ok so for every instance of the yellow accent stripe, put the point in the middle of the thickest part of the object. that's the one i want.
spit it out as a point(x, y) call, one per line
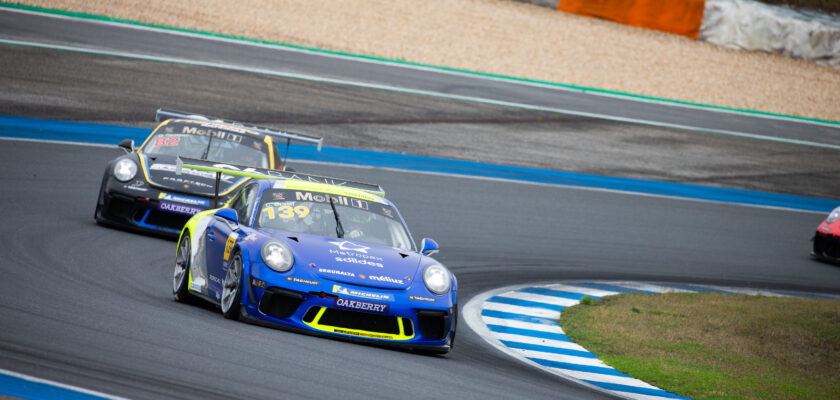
point(358, 332)
point(270, 145)
point(294, 184)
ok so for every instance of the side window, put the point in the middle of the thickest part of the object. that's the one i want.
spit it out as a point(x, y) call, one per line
point(251, 200)
point(244, 202)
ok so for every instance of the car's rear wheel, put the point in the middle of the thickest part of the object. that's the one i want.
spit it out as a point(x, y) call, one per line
point(182, 268)
point(232, 288)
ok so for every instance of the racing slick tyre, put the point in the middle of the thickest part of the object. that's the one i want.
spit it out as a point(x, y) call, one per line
point(232, 288)
point(182, 268)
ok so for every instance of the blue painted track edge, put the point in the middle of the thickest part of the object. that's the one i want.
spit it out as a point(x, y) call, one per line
point(103, 134)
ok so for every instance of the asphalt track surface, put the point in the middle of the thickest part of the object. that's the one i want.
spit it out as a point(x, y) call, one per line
point(551, 129)
point(91, 306)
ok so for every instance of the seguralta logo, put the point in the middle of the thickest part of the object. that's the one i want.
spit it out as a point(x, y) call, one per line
point(383, 278)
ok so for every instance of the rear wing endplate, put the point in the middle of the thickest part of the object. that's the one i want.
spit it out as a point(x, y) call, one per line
point(164, 114)
point(264, 173)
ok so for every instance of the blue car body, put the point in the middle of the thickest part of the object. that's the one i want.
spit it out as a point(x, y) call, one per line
point(336, 286)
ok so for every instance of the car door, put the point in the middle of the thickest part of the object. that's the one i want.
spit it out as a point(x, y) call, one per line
point(221, 236)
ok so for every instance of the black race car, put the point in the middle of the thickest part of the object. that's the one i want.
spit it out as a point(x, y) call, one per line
point(141, 190)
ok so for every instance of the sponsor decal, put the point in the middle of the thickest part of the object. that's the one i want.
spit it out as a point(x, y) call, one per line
point(350, 246)
point(362, 334)
point(215, 279)
point(387, 212)
point(354, 260)
point(338, 289)
point(361, 305)
point(188, 171)
point(337, 199)
point(825, 228)
point(361, 204)
point(383, 278)
point(216, 133)
point(336, 272)
point(231, 240)
point(187, 182)
point(258, 283)
point(137, 185)
point(421, 298)
point(303, 281)
point(167, 141)
point(183, 199)
point(178, 208)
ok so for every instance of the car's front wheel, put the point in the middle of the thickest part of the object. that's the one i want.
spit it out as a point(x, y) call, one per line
point(182, 268)
point(232, 288)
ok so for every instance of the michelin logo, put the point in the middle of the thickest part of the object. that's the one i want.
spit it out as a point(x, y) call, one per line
point(338, 289)
point(184, 200)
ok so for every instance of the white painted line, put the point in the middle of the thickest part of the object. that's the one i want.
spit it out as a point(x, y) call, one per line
point(512, 323)
point(571, 288)
point(558, 301)
point(746, 291)
point(483, 178)
point(534, 312)
point(621, 380)
point(510, 337)
point(592, 362)
point(638, 396)
point(396, 89)
point(649, 287)
point(471, 312)
point(435, 69)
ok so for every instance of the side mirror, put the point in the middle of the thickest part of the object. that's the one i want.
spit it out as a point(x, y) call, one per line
point(127, 145)
point(228, 214)
point(428, 247)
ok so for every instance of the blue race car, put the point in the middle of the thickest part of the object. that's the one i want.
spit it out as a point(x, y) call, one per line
point(328, 259)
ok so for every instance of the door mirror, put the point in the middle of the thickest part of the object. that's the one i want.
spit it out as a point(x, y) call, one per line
point(428, 247)
point(228, 214)
point(127, 145)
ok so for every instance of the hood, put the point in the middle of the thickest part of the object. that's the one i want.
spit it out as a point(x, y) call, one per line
point(161, 173)
point(348, 261)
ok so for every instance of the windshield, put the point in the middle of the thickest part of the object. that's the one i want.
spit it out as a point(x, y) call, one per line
point(311, 212)
point(209, 144)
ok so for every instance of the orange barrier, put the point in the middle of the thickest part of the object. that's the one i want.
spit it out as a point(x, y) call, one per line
point(682, 17)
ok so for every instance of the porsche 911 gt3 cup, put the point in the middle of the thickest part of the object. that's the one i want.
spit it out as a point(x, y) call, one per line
point(141, 191)
point(327, 259)
point(827, 238)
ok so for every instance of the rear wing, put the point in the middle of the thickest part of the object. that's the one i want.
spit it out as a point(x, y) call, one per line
point(264, 173)
point(164, 114)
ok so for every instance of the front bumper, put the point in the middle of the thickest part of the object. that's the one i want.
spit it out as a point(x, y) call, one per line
point(826, 247)
point(310, 306)
point(138, 208)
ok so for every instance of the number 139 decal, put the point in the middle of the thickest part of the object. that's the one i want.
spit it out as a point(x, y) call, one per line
point(287, 212)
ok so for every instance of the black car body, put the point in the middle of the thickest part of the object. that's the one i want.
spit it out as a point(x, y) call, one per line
point(141, 190)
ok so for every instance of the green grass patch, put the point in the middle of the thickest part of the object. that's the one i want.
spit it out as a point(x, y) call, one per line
point(716, 346)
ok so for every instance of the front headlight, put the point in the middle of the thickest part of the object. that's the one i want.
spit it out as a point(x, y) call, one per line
point(277, 256)
point(124, 170)
point(437, 279)
point(834, 216)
